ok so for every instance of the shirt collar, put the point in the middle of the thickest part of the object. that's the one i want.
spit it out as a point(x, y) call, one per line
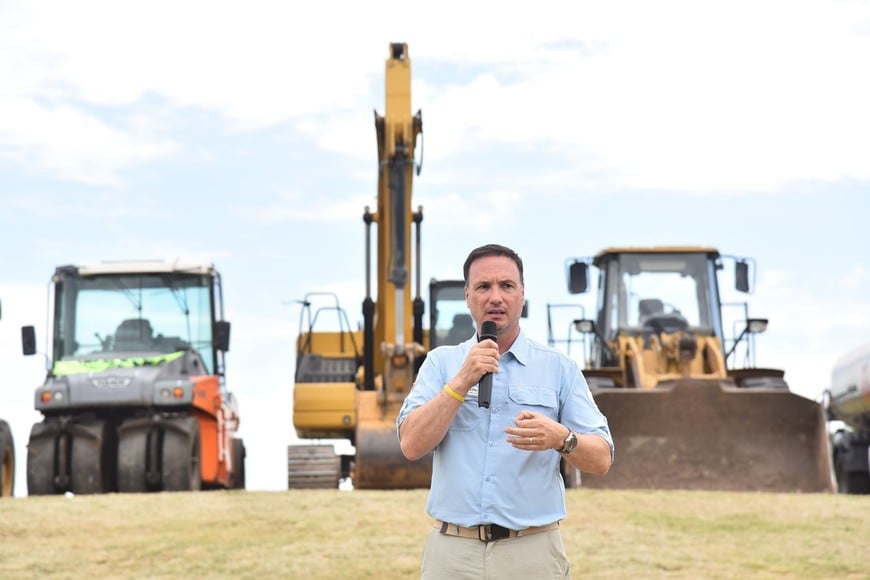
point(520, 348)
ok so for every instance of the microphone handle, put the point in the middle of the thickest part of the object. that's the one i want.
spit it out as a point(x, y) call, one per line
point(484, 391)
point(484, 387)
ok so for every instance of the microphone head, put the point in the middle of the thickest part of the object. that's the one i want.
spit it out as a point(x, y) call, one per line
point(488, 330)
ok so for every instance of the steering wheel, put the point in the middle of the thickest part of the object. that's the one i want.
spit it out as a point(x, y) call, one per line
point(667, 323)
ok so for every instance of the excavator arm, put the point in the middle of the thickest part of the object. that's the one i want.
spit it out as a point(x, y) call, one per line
point(337, 394)
point(390, 320)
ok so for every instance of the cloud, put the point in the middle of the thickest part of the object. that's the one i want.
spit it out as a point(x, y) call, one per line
point(72, 143)
point(712, 101)
point(855, 278)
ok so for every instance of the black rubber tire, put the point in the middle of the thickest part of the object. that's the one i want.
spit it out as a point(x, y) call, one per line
point(7, 461)
point(239, 454)
point(41, 448)
point(850, 482)
point(132, 460)
point(858, 483)
point(182, 455)
point(92, 457)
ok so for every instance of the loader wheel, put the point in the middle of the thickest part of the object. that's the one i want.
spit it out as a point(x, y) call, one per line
point(858, 483)
point(239, 454)
point(7, 461)
point(181, 456)
point(850, 482)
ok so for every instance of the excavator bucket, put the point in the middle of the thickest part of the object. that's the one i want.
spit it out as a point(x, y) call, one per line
point(379, 462)
point(707, 434)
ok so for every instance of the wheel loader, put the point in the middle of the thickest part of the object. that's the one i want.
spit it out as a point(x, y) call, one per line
point(135, 398)
point(350, 382)
point(683, 413)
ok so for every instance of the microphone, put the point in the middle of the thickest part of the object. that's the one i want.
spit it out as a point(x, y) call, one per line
point(484, 388)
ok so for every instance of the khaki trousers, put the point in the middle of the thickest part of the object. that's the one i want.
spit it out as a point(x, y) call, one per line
point(533, 557)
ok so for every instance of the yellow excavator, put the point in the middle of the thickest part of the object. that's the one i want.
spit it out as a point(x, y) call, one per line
point(683, 414)
point(350, 383)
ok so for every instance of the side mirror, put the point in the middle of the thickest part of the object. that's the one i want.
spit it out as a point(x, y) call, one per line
point(741, 276)
point(222, 335)
point(578, 278)
point(28, 340)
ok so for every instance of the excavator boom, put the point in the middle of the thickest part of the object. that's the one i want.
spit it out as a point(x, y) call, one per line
point(350, 384)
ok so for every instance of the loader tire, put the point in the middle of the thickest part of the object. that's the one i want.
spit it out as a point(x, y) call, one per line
point(181, 455)
point(850, 482)
point(7, 461)
point(859, 483)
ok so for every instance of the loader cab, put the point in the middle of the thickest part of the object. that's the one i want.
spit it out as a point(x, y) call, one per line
point(642, 292)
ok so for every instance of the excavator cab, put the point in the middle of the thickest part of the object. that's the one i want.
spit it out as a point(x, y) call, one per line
point(449, 321)
point(663, 370)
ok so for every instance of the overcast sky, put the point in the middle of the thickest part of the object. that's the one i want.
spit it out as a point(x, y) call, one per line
point(242, 133)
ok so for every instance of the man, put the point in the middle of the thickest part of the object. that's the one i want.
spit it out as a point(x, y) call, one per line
point(497, 494)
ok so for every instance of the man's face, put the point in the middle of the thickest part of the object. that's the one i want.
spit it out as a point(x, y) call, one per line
point(494, 292)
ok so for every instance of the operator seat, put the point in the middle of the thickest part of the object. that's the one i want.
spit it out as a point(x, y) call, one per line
point(648, 308)
point(462, 329)
point(134, 334)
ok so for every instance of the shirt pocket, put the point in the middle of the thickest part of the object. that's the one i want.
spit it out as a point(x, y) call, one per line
point(539, 399)
point(467, 418)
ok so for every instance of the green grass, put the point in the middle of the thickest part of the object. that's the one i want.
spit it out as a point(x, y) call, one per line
point(380, 534)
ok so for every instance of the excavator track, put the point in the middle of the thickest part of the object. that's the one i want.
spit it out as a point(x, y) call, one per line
point(313, 467)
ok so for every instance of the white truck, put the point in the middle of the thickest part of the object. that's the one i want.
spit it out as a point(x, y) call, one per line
point(848, 408)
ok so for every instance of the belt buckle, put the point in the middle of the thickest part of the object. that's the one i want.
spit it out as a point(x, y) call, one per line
point(491, 532)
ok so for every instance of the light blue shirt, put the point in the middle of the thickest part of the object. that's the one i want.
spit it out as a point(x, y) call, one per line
point(477, 476)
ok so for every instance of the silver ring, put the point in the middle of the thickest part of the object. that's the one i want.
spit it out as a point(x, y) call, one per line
point(531, 441)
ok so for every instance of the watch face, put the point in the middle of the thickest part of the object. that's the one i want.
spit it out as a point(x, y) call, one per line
point(571, 443)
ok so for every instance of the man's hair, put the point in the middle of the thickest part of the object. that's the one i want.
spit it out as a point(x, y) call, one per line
point(492, 250)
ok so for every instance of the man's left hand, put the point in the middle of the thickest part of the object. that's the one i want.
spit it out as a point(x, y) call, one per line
point(536, 432)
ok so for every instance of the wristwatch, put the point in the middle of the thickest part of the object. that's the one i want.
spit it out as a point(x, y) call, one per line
point(570, 443)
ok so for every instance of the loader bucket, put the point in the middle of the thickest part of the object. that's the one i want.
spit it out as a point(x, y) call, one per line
point(711, 435)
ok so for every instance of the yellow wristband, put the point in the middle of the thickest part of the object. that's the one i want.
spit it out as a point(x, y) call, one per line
point(449, 390)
